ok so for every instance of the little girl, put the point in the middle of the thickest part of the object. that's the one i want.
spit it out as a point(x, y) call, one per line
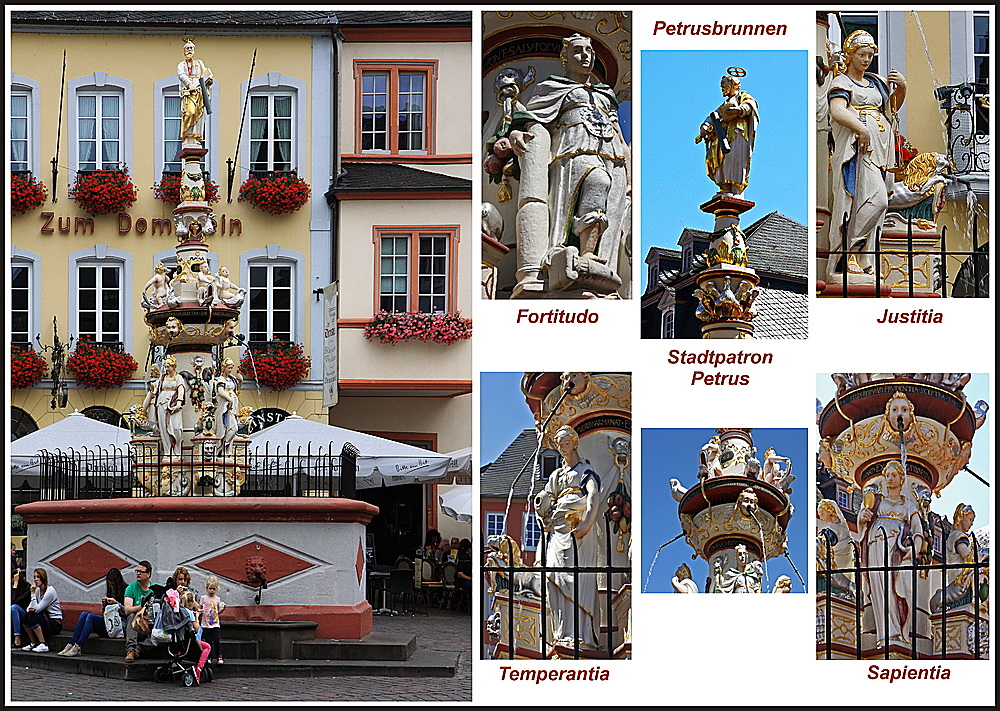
point(211, 607)
point(188, 601)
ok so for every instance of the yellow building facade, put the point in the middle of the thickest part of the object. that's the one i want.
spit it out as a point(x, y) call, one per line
point(371, 110)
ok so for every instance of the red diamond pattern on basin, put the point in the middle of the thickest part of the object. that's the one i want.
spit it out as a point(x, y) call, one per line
point(233, 564)
point(88, 562)
point(359, 563)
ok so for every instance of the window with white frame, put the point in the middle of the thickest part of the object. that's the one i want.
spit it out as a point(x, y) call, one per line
point(171, 133)
point(272, 129)
point(667, 323)
point(20, 131)
point(395, 104)
point(21, 285)
point(99, 129)
point(99, 301)
point(494, 523)
point(548, 462)
point(415, 269)
point(531, 532)
point(981, 71)
point(271, 302)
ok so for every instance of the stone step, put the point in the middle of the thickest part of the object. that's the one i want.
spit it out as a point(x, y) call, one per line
point(375, 647)
point(421, 663)
point(237, 649)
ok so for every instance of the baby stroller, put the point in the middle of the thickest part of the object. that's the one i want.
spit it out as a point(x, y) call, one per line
point(174, 629)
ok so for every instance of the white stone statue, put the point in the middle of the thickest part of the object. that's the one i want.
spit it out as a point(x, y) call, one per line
point(887, 522)
point(863, 106)
point(575, 179)
point(958, 549)
point(159, 283)
point(677, 491)
point(227, 292)
point(729, 133)
point(169, 396)
point(195, 91)
point(772, 471)
point(743, 578)
point(207, 286)
point(782, 585)
point(227, 394)
point(834, 535)
point(574, 489)
point(682, 582)
point(708, 459)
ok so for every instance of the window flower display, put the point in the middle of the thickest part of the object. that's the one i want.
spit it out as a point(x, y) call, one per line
point(27, 367)
point(279, 366)
point(99, 366)
point(103, 192)
point(275, 194)
point(394, 326)
point(26, 193)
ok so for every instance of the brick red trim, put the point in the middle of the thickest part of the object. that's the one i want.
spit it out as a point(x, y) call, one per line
point(407, 34)
point(405, 158)
point(465, 386)
point(194, 508)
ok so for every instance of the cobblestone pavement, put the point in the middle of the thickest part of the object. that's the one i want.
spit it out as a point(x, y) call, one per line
point(438, 632)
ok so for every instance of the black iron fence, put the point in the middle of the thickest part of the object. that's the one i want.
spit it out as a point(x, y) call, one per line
point(828, 582)
point(131, 472)
point(515, 572)
point(972, 280)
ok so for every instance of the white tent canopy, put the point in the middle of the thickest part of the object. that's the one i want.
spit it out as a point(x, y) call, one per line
point(461, 463)
point(75, 432)
point(457, 503)
point(382, 461)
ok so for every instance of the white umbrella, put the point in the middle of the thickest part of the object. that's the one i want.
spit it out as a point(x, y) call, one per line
point(460, 465)
point(75, 432)
point(382, 461)
point(457, 503)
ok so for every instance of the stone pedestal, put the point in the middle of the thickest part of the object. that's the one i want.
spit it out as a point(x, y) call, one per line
point(309, 550)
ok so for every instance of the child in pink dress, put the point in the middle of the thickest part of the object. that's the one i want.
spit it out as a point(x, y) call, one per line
point(211, 607)
point(188, 601)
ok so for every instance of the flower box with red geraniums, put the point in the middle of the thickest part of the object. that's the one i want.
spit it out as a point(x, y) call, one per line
point(26, 193)
point(169, 189)
point(27, 367)
point(101, 367)
point(275, 194)
point(102, 192)
point(278, 367)
point(394, 326)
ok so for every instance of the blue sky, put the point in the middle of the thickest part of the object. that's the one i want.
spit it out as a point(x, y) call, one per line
point(673, 454)
point(680, 88)
point(503, 413)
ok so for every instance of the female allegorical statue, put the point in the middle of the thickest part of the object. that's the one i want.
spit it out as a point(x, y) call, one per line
point(888, 522)
point(589, 165)
point(863, 107)
point(194, 76)
point(574, 490)
point(169, 396)
point(958, 549)
point(227, 390)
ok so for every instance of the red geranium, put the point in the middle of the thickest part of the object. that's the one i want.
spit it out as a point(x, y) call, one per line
point(276, 194)
point(98, 366)
point(26, 193)
point(102, 192)
point(395, 326)
point(26, 367)
point(169, 189)
point(279, 367)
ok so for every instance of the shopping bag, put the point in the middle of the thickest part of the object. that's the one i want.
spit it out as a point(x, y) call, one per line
point(113, 621)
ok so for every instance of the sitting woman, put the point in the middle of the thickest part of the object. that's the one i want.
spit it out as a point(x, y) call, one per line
point(43, 619)
point(90, 622)
point(181, 582)
point(20, 598)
